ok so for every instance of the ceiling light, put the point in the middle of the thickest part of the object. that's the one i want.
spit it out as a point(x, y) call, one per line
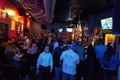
point(10, 12)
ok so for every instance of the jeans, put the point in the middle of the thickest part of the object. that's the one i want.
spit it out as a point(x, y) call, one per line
point(44, 73)
point(68, 77)
point(58, 73)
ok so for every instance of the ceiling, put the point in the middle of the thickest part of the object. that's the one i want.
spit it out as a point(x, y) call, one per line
point(82, 7)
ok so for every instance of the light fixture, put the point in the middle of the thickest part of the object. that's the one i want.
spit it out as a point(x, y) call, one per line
point(10, 12)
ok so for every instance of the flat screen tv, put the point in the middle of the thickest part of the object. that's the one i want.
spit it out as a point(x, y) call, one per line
point(106, 23)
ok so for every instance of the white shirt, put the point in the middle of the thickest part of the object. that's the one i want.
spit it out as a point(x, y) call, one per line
point(70, 60)
point(45, 59)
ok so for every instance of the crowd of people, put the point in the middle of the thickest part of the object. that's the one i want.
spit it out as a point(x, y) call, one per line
point(43, 59)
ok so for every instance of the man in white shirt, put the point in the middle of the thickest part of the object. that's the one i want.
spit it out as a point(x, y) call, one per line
point(69, 59)
point(45, 64)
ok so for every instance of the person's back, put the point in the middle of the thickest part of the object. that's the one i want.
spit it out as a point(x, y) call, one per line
point(110, 63)
point(70, 60)
point(110, 60)
point(100, 50)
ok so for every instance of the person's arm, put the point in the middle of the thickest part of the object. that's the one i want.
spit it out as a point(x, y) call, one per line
point(61, 58)
point(77, 60)
point(38, 61)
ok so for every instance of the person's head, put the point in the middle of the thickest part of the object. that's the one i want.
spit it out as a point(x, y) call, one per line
point(47, 48)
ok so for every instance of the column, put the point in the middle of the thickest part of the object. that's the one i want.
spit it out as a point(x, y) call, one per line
point(116, 17)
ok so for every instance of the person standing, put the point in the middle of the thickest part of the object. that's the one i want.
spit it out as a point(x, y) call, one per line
point(110, 63)
point(45, 64)
point(79, 49)
point(32, 51)
point(32, 57)
point(69, 60)
point(56, 57)
point(17, 62)
point(100, 50)
point(92, 63)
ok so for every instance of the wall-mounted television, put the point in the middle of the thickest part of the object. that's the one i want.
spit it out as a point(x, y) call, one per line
point(106, 23)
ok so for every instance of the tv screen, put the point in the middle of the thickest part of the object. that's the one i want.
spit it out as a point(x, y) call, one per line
point(106, 23)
